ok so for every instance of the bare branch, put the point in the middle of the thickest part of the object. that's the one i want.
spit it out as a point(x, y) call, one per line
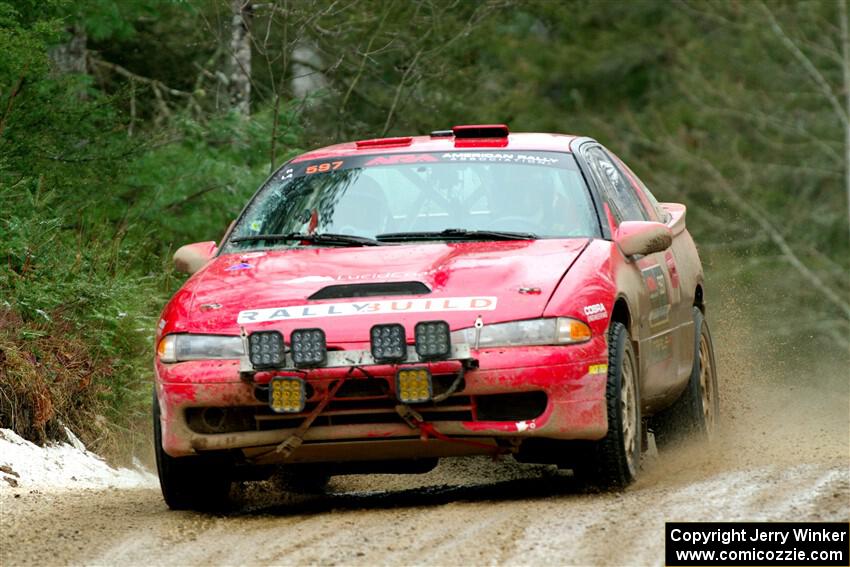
point(399, 90)
point(811, 69)
point(155, 84)
point(761, 219)
point(11, 101)
point(845, 71)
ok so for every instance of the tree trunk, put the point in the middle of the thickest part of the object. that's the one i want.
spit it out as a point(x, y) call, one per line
point(70, 57)
point(239, 57)
point(307, 79)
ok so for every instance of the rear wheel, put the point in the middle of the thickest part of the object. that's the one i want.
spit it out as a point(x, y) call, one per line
point(697, 410)
point(613, 462)
point(190, 483)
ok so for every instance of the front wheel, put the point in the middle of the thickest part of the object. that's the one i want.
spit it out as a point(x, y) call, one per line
point(613, 462)
point(189, 483)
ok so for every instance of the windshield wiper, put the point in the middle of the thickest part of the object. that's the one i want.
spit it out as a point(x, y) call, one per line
point(456, 234)
point(328, 238)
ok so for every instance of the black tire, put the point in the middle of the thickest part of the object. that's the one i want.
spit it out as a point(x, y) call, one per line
point(613, 462)
point(190, 483)
point(696, 412)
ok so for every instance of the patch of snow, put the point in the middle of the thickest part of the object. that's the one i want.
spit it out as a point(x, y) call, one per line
point(25, 465)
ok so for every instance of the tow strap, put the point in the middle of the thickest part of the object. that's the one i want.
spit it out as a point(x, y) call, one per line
point(426, 430)
point(408, 414)
point(291, 443)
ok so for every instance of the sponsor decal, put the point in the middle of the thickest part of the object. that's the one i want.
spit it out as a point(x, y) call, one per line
point(385, 307)
point(672, 269)
point(595, 312)
point(597, 369)
point(529, 290)
point(239, 266)
point(401, 158)
point(249, 255)
point(661, 349)
point(659, 300)
point(384, 275)
point(161, 324)
point(500, 157)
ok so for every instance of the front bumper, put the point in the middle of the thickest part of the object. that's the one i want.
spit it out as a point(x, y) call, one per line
point(571, 378)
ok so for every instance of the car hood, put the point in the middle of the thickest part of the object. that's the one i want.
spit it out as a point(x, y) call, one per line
point(500, 281)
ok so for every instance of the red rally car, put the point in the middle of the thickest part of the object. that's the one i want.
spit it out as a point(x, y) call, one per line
point(384, 303)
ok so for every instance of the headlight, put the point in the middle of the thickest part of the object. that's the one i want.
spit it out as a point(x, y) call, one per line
point(177, 348)
point(554, 331)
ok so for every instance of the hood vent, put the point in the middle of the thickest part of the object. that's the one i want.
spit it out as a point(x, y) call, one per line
point(371, 289)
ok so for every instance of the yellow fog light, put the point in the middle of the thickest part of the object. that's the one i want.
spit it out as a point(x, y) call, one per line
point(287, 395)
point(413, 385)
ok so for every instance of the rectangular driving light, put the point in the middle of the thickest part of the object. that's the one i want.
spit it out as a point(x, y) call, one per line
point(287, 395)
point(433, 340)
point(309, 348)
point(388, 343)
point(413, 385)
point(266, 350)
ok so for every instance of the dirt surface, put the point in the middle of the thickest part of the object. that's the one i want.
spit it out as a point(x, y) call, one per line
point(783, 453)
point(466, 510)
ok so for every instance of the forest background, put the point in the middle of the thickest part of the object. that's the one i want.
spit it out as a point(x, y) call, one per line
point(131, 127)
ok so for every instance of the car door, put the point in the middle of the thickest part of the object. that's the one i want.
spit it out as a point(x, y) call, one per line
point(676, 255)
point(650, 275)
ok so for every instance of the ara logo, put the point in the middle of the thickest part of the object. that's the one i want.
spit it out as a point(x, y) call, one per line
point(402, 158)
point(367, 308)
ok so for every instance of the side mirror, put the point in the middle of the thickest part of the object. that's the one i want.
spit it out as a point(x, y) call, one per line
point(643, 237)
point(192, 257)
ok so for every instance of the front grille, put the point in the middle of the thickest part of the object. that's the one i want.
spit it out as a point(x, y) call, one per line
point(364, 401)
point(520, 406)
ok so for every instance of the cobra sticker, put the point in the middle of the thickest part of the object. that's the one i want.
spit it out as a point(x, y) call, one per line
point(595, 312)
point(385, 307)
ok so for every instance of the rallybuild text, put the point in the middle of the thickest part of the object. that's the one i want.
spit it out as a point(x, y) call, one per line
point(757, 543)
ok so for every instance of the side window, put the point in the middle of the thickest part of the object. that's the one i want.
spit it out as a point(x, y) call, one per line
point(619, 194)
point(660, 213)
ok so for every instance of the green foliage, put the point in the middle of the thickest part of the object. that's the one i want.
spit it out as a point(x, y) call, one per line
point(25, 30)
point(104, 173)
point(89, 216)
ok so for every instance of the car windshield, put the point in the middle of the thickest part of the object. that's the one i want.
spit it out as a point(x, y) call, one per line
point(382, 199)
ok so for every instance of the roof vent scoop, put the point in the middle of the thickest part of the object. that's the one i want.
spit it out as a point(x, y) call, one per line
point(481, 131)
point(371, 290)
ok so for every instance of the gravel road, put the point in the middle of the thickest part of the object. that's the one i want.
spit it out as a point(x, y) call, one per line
point(783, 453)
point(787, 459)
